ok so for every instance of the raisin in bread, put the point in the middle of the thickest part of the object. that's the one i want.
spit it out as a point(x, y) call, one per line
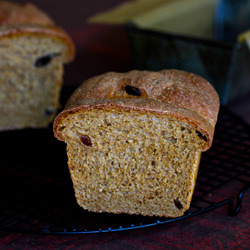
point(134, 140)
point(32, 52)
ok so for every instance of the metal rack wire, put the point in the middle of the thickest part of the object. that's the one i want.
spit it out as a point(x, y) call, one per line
point(36, 193)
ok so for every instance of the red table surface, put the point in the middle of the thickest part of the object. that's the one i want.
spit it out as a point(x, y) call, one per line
point(102, 48)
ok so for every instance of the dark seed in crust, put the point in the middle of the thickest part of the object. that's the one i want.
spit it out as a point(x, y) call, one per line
point(201, 135)
point(45, 60)
point(178, 204)
point(131, 90)
point(86, 140)
point(49, 111)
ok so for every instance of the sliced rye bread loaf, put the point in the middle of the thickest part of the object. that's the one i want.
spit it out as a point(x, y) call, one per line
point(134, 140)
point(32, 52)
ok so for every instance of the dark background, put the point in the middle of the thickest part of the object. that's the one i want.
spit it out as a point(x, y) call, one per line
point(101, 48)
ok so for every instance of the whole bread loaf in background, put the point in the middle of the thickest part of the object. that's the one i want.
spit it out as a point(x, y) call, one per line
point(134, 140)
point(32, 52)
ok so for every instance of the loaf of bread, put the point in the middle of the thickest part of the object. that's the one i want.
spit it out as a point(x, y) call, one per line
point(134, 140)
point(32, 52)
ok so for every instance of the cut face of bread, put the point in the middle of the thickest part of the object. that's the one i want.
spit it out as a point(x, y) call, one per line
point(30, 80)
point(132, 162)
point(32, 52)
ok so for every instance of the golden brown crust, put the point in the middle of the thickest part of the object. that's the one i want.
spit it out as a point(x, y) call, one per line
point(176, 93)
point(18, 20)
point(12, 13)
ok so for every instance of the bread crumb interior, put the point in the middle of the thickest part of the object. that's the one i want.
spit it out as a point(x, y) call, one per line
point(29, 95)
point(137, 163)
